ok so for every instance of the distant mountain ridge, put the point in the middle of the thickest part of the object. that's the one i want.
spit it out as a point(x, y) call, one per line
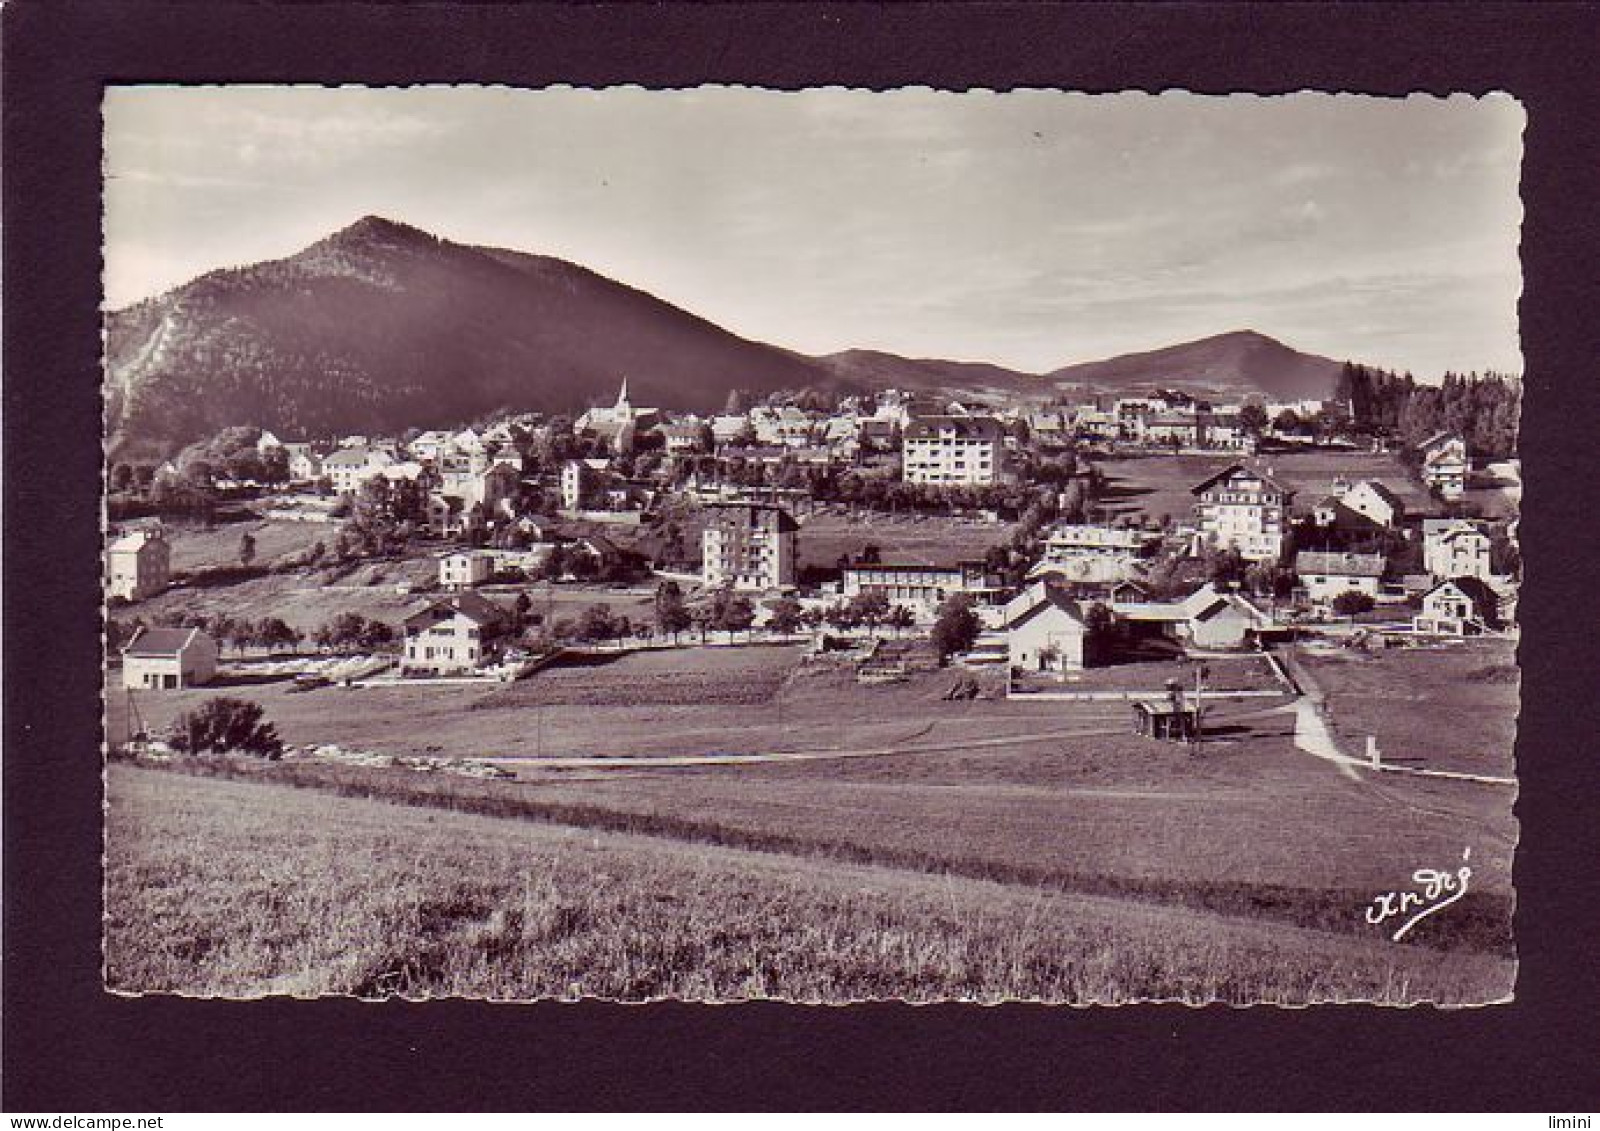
point(1241, 360)
point(878, 369)
point(381, 326)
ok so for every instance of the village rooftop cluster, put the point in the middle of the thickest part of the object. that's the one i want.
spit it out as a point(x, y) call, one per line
point(711, 514)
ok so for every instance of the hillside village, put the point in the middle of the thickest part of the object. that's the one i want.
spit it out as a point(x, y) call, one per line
point(821, 547)
point(893, 532)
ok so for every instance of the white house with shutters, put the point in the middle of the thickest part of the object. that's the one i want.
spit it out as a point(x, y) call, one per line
point(349, 468)
point(1328, 575)
point(1463, 606)
point(451, 636)
point(1445, 464)
point(463, 569)
point(1045, 630)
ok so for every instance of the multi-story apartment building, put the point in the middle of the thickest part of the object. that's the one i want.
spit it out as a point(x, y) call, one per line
point(750, 546)
point(1243, 509)
point(964, 451)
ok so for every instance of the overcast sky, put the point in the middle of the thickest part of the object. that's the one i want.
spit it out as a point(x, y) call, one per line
point(1031, 229)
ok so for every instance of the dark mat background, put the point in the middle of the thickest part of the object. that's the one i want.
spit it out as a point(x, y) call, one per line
point(70, 1047)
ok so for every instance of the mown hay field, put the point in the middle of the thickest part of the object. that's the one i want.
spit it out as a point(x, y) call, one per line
point(1245, 825)
point(680, 677)
point(241, 889)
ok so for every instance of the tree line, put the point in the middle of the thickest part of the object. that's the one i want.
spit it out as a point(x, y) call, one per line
point(1483, 409)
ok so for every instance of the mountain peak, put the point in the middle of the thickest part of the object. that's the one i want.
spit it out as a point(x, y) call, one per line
point(1241, 360)
point(373, 228)
point(1245, 336)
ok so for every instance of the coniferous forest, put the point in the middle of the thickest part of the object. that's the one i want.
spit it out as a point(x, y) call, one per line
point(1482, 409)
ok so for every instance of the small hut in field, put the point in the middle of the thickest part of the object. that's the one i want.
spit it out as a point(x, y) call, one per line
point(1168, 719)
point(1161, 720)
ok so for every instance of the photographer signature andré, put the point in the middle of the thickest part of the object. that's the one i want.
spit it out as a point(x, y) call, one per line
point(1439, 889)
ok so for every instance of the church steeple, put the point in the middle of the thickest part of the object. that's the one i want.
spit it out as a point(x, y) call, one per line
point(622, 396)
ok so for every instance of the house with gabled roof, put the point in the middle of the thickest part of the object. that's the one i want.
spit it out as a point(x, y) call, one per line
point(1045, 630)
point(1207, 618)
point(1455, 547)
point(167, 659)
point(433, 444)
point(138, 564)
point(1326, 575)
point(452, 635)
point(1462, 606)
point(1445, 464)
point(1375, 501)
point(462, 569)
point(350, 467)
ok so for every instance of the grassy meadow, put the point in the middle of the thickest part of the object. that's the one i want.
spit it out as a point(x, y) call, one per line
point(749, 699)
point(197, 547)
point(237, 889)
point(903, 539)
point(1449, 707)
point(1157, 485)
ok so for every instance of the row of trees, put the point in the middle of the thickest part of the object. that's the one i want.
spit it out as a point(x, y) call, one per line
point(730, 612)
point(1484, 410)
point(352, 632)
point(347, 632)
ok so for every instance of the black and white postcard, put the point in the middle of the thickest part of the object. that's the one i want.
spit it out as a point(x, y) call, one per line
point(822, 546)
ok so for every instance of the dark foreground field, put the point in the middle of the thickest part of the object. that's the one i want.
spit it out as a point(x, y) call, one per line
point(237, 888)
